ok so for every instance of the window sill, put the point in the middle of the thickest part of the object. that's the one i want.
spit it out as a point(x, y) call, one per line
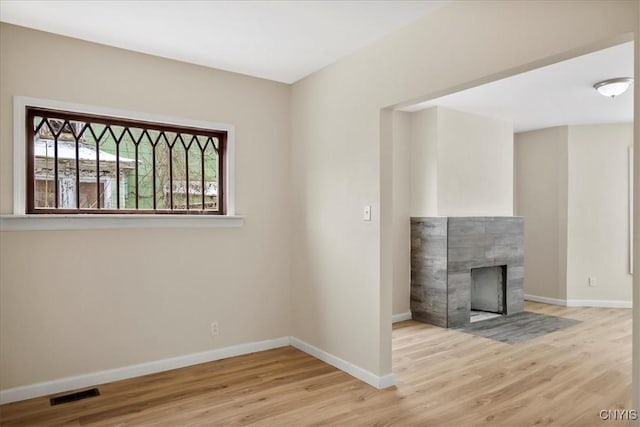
point(109, 222)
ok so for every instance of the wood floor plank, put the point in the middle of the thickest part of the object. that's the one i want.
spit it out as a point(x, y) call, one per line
point(444, 378)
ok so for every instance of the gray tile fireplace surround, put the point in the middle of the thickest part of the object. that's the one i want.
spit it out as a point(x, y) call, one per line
point(443, 252)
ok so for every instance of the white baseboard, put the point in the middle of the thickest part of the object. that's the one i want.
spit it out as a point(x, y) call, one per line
point(598, 303)
point(101, 377)
point(579, 302)
point(125, 372)
point(401, 317)
point(376, 381)
point(545, 300)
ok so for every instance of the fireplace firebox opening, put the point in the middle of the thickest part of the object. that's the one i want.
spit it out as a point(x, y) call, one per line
point(488, 292)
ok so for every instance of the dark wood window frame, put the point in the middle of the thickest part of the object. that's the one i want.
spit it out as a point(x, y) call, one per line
point(217, 138)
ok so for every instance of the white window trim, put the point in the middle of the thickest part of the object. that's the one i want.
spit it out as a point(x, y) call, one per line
point(22, 221)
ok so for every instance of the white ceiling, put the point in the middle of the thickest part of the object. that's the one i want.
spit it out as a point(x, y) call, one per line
point(277, 40)
point(555, 95)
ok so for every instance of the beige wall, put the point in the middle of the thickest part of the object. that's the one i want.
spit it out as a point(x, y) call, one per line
point(572, 185)
point(423, 163)
point(475, 165)
point(635, 380)
point(338, 159)
point(541, 198)
point(401, 264)
point(598, 211)
point(461, 164)
point(74, 302)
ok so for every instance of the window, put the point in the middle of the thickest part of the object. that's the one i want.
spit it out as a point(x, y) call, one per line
point(86, 163)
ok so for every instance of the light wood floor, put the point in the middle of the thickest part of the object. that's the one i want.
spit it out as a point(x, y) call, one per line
point(444, 378)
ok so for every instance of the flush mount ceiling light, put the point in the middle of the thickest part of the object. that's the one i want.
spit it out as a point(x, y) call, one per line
point(613, 87)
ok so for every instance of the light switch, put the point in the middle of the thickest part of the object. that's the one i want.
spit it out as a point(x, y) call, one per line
point(366, 213)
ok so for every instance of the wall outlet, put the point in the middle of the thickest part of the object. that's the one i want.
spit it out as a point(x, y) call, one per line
point(593, 281)
point(214, 329)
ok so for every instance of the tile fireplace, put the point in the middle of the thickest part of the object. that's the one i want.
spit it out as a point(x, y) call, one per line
point(460, 264)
